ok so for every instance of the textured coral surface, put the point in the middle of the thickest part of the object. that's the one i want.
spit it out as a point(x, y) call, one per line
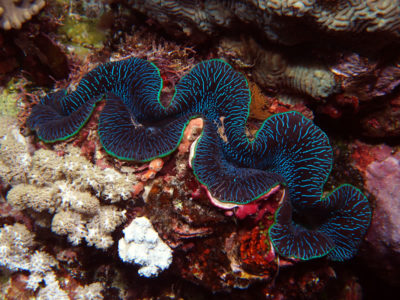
point(382, 177)
point(14, 13)
point(274, 17)
point(64, 207)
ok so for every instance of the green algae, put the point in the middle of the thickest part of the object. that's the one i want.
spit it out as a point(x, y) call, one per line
point(9, 100)
point(82, 34)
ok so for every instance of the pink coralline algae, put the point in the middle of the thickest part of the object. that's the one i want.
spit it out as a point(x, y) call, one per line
point(381, 167)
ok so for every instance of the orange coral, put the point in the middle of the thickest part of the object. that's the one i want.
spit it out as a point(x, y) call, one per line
point(192, 130)
point(256, 251)
point(260, 104)
point(156, 164)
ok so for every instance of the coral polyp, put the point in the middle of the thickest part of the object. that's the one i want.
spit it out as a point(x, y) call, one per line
point(288, 149)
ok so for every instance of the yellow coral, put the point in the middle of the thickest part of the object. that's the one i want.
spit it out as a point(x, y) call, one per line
point(8, 103)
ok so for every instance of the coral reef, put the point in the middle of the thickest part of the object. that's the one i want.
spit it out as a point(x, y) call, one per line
point(208, 248)
point(17, 244)
point(142, 245)
point(367, 78)
point(62, 186)
point(275, 72)
point(333, 66)
point(14, 13)
point(287, 22)
point(336, 62)
point(383, 122)
point(35, 51)
point(15, 160)
point(234, 169)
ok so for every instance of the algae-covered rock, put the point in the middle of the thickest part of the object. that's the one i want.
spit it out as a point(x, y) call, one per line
point(9, 100)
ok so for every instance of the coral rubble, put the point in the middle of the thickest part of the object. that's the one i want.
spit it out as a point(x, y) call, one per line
point(14, 13)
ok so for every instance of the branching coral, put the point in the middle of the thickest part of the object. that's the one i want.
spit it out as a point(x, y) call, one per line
point(14, 13)
point(288, 149)
point(16, 253)
point(68, 188)
point(55, 187)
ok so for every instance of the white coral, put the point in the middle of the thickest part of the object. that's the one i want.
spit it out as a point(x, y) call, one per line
point(16, 253)
point(15, 241)
point(52, 289)
point(70, 188)
point(14, 158)
point(69, 223)
point(90, 292)
point(142, 245)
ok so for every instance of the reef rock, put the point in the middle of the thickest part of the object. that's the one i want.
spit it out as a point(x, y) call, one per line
point(383, 177)
point(384, 121)
point(380, 167)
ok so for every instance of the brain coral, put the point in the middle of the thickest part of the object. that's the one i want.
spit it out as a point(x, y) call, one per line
point(285, 21)
point(14, 13)
point(277, 73)
point(287, 150)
